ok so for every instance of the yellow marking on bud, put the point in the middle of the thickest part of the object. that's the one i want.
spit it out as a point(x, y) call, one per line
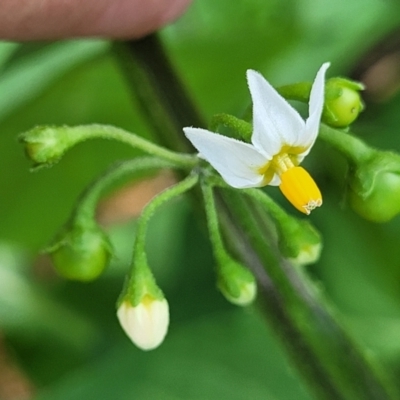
point(300, 189)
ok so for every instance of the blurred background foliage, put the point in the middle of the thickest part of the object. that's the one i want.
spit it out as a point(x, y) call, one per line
point(61, 340)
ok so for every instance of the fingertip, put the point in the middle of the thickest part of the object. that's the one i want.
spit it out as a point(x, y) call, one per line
point(115, 19)
point(133, 19)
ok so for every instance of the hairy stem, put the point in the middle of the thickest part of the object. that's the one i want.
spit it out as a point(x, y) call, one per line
point(87, 202)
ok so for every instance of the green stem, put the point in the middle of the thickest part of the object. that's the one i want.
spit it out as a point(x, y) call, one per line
point(163, 98)
point(141, 280)
point(86, 204)
point(326, 357)
point(242, 130)
point(296, 91)
point(212, 222)
point(168, 194)
point(354, 149)
point(84, 132)
point(278, 214)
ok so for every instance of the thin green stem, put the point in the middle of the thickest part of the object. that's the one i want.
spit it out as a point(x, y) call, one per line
point(273, 209)
point(168, 194)
point(212, 221)
point(164, 99)
point(296, 91)
point(141, 279)
point(84, 132)
point(354, 149)
point(86, 204)
point(241, 129)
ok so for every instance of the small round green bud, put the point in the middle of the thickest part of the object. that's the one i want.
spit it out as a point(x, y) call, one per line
point(82, 252)
point(343, 102)
point(45, 145)
point(374, 187)
point(236, 282)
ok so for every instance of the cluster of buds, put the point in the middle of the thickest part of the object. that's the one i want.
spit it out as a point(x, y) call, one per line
point(270, 153)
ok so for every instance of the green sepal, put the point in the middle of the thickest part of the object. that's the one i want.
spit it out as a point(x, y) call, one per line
point(140, 284)
point(45, 145)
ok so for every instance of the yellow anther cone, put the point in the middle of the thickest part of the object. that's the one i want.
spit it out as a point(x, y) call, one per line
point(300, 189)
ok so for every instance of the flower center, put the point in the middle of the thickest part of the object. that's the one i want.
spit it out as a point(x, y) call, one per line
point(281, 163)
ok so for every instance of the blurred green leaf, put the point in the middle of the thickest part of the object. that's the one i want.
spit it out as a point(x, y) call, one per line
point(29, 311)
point(6, 51)
point(285, 40)
point(32, 74)
point(222, 356)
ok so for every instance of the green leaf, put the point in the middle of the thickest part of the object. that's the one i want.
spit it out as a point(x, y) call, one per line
point(30, 75)
point(228, 355)
point(28, 311)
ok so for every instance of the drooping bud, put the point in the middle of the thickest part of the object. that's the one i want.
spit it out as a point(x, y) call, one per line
point(235, 282)
point(45, 145)
point(81, 252)
point(146, 324)
point(298, 240)
point(343, 102)
point(143, 311)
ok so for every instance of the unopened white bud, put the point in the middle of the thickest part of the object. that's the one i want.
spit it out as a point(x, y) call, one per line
point(146, 324)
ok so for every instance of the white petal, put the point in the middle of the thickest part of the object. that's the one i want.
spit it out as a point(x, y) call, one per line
point(237, 162)
point(315, 107)
point(275, 121)
point(275, 181)
point(146, 324)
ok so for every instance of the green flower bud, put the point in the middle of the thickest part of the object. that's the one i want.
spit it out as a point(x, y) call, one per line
point(45, 145)
point(299, 241)
point(374, 187)
point(343, 102)
point(81, 252)
point(235, 282)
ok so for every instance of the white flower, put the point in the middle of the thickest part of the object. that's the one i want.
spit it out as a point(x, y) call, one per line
point(147, 323)
point(280, 141)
